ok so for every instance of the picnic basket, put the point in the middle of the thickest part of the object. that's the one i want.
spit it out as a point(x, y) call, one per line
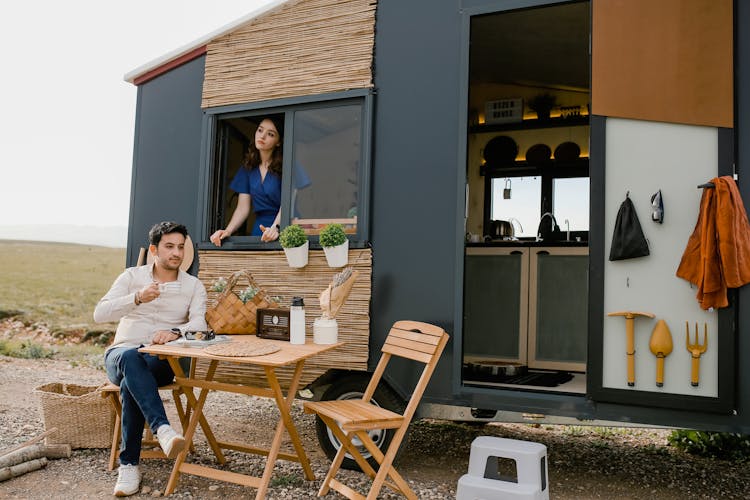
point(230, 314)
point(83, 418)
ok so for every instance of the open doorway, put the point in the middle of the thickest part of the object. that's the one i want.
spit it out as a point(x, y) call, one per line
point(526, 253)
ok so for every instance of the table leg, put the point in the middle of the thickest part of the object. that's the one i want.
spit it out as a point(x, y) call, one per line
point(285, 422)
point(197, 417)
point(190, 396)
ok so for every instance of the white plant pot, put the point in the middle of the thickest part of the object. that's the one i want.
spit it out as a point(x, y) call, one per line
point(297, 256)
point(337, 256)
point(325, 331)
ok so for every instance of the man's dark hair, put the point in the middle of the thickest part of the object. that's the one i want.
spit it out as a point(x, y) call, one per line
point(162, 228)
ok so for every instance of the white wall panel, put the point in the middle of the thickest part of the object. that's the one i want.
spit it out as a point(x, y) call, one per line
point(643, 157)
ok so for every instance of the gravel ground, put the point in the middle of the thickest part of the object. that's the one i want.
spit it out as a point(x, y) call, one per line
point(583, 462)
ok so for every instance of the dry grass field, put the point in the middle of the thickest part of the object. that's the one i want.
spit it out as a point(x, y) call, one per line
point(56, 283)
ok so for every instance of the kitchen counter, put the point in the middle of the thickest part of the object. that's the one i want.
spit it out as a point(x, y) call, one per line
point(528, 243)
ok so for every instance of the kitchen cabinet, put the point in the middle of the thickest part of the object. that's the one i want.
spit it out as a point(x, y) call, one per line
point(527, 305)
point(496, 303)
point(558, 308)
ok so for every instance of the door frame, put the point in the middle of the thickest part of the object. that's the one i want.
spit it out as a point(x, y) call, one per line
point(469, 9)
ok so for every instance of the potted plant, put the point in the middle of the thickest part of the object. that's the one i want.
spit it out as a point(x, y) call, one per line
point(542, 104)
point(295, 244)
point(335, 245)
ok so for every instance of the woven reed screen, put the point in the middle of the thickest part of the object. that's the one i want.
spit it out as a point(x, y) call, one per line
point(271, 272)
point(302, 47)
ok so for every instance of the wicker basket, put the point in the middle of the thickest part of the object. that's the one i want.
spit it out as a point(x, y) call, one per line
point(230, 314)
point(84, 419)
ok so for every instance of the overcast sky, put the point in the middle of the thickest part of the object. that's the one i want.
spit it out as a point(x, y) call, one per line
point(66, 132)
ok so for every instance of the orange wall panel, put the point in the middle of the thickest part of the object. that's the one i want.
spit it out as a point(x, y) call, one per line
point(663, 60)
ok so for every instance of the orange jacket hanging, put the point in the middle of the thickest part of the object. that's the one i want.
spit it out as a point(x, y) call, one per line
point(717, 255)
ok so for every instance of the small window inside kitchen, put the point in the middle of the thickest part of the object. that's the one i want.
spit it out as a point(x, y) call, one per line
point(519, 200)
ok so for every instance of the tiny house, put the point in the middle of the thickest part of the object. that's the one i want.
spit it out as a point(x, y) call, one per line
point(478, 153)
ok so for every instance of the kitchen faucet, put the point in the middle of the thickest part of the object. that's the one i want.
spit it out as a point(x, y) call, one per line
point(511, 221)
point(567, 229)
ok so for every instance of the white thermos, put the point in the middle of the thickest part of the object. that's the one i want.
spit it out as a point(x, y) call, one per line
point(297, 321)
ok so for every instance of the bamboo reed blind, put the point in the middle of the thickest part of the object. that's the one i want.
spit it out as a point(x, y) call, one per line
point(302, 47)
point(271, 272)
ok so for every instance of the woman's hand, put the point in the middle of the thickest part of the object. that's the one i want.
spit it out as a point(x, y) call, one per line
point(218, 236)
point(269, 233)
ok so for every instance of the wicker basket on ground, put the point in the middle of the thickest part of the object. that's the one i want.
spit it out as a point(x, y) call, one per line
point(83, 418)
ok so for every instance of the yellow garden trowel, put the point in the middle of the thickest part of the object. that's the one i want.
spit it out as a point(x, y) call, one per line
point(630, 339)
point(660, 345)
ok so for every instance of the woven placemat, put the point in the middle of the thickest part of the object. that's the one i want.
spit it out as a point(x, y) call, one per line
point(245, 348)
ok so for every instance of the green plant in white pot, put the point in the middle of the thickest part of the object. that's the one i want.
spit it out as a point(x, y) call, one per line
point(295, 244)
point(335, 245)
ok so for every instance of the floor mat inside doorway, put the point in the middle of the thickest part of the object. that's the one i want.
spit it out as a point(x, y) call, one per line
point(541, 379)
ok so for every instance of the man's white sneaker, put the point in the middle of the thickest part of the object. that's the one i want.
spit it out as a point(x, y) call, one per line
point(170, 440)
point(128, 481)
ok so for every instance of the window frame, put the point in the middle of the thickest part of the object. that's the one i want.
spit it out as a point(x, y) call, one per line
point(547, 173)
point(210, 162)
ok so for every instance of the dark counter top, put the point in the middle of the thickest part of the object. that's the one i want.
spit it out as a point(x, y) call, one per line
point(527, 243)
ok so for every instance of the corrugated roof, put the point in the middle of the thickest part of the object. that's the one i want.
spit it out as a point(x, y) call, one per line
point(133, 75)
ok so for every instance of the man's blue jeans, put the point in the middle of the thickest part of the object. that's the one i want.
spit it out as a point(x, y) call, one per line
point(139, 376)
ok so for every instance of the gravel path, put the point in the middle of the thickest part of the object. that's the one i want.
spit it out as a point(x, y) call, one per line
point(583, 462)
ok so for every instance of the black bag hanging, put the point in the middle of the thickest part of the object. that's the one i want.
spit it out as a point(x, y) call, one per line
point(628, 241)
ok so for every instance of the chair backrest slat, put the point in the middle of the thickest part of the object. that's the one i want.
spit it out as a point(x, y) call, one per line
point(422, 357)
point(413, 345)
point(413, 340)
point(410, 335)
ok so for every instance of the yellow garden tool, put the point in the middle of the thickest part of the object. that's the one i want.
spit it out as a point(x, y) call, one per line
point(696, 350)
point(661, 345)
point(630, 339)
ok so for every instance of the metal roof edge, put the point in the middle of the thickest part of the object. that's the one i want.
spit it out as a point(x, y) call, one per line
point(185, 49)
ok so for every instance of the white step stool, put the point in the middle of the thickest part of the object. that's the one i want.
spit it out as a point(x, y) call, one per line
point(483, 483)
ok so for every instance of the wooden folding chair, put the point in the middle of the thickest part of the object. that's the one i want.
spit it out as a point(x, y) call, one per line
point(352, 418)
point(150, 446)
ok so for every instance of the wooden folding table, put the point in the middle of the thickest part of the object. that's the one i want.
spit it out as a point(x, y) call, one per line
point(287, 355)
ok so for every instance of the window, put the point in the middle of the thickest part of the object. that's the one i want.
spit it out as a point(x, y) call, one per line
point(571, 203)
point(522, 203)
point(326, 160)
point(324, 169)
point(522, 194)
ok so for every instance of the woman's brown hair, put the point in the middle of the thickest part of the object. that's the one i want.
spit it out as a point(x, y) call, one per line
point(252, 158)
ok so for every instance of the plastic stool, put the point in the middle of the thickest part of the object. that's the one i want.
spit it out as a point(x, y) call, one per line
point(483, 483)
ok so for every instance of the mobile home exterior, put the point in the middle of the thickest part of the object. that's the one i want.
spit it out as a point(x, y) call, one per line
point(387, 101)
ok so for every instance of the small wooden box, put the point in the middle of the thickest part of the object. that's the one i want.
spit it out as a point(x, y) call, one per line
point(273, 323)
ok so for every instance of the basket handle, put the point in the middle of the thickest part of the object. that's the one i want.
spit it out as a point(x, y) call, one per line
point(232, 282)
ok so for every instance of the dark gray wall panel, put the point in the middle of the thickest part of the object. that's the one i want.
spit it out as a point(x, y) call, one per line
point(166, 156)
point(742, 140)
point(414, 172)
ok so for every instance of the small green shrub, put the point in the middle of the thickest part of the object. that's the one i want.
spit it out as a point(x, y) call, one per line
point(723, 445)
point(332, 235)
point(292, 236)
point(286, 480)
point(28, 350)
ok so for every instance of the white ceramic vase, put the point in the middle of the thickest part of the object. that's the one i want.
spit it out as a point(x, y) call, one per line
point(297, 256)
point(325, 331)
point(337, 256)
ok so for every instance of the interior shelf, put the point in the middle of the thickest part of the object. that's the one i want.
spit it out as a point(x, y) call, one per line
point(572, 121)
